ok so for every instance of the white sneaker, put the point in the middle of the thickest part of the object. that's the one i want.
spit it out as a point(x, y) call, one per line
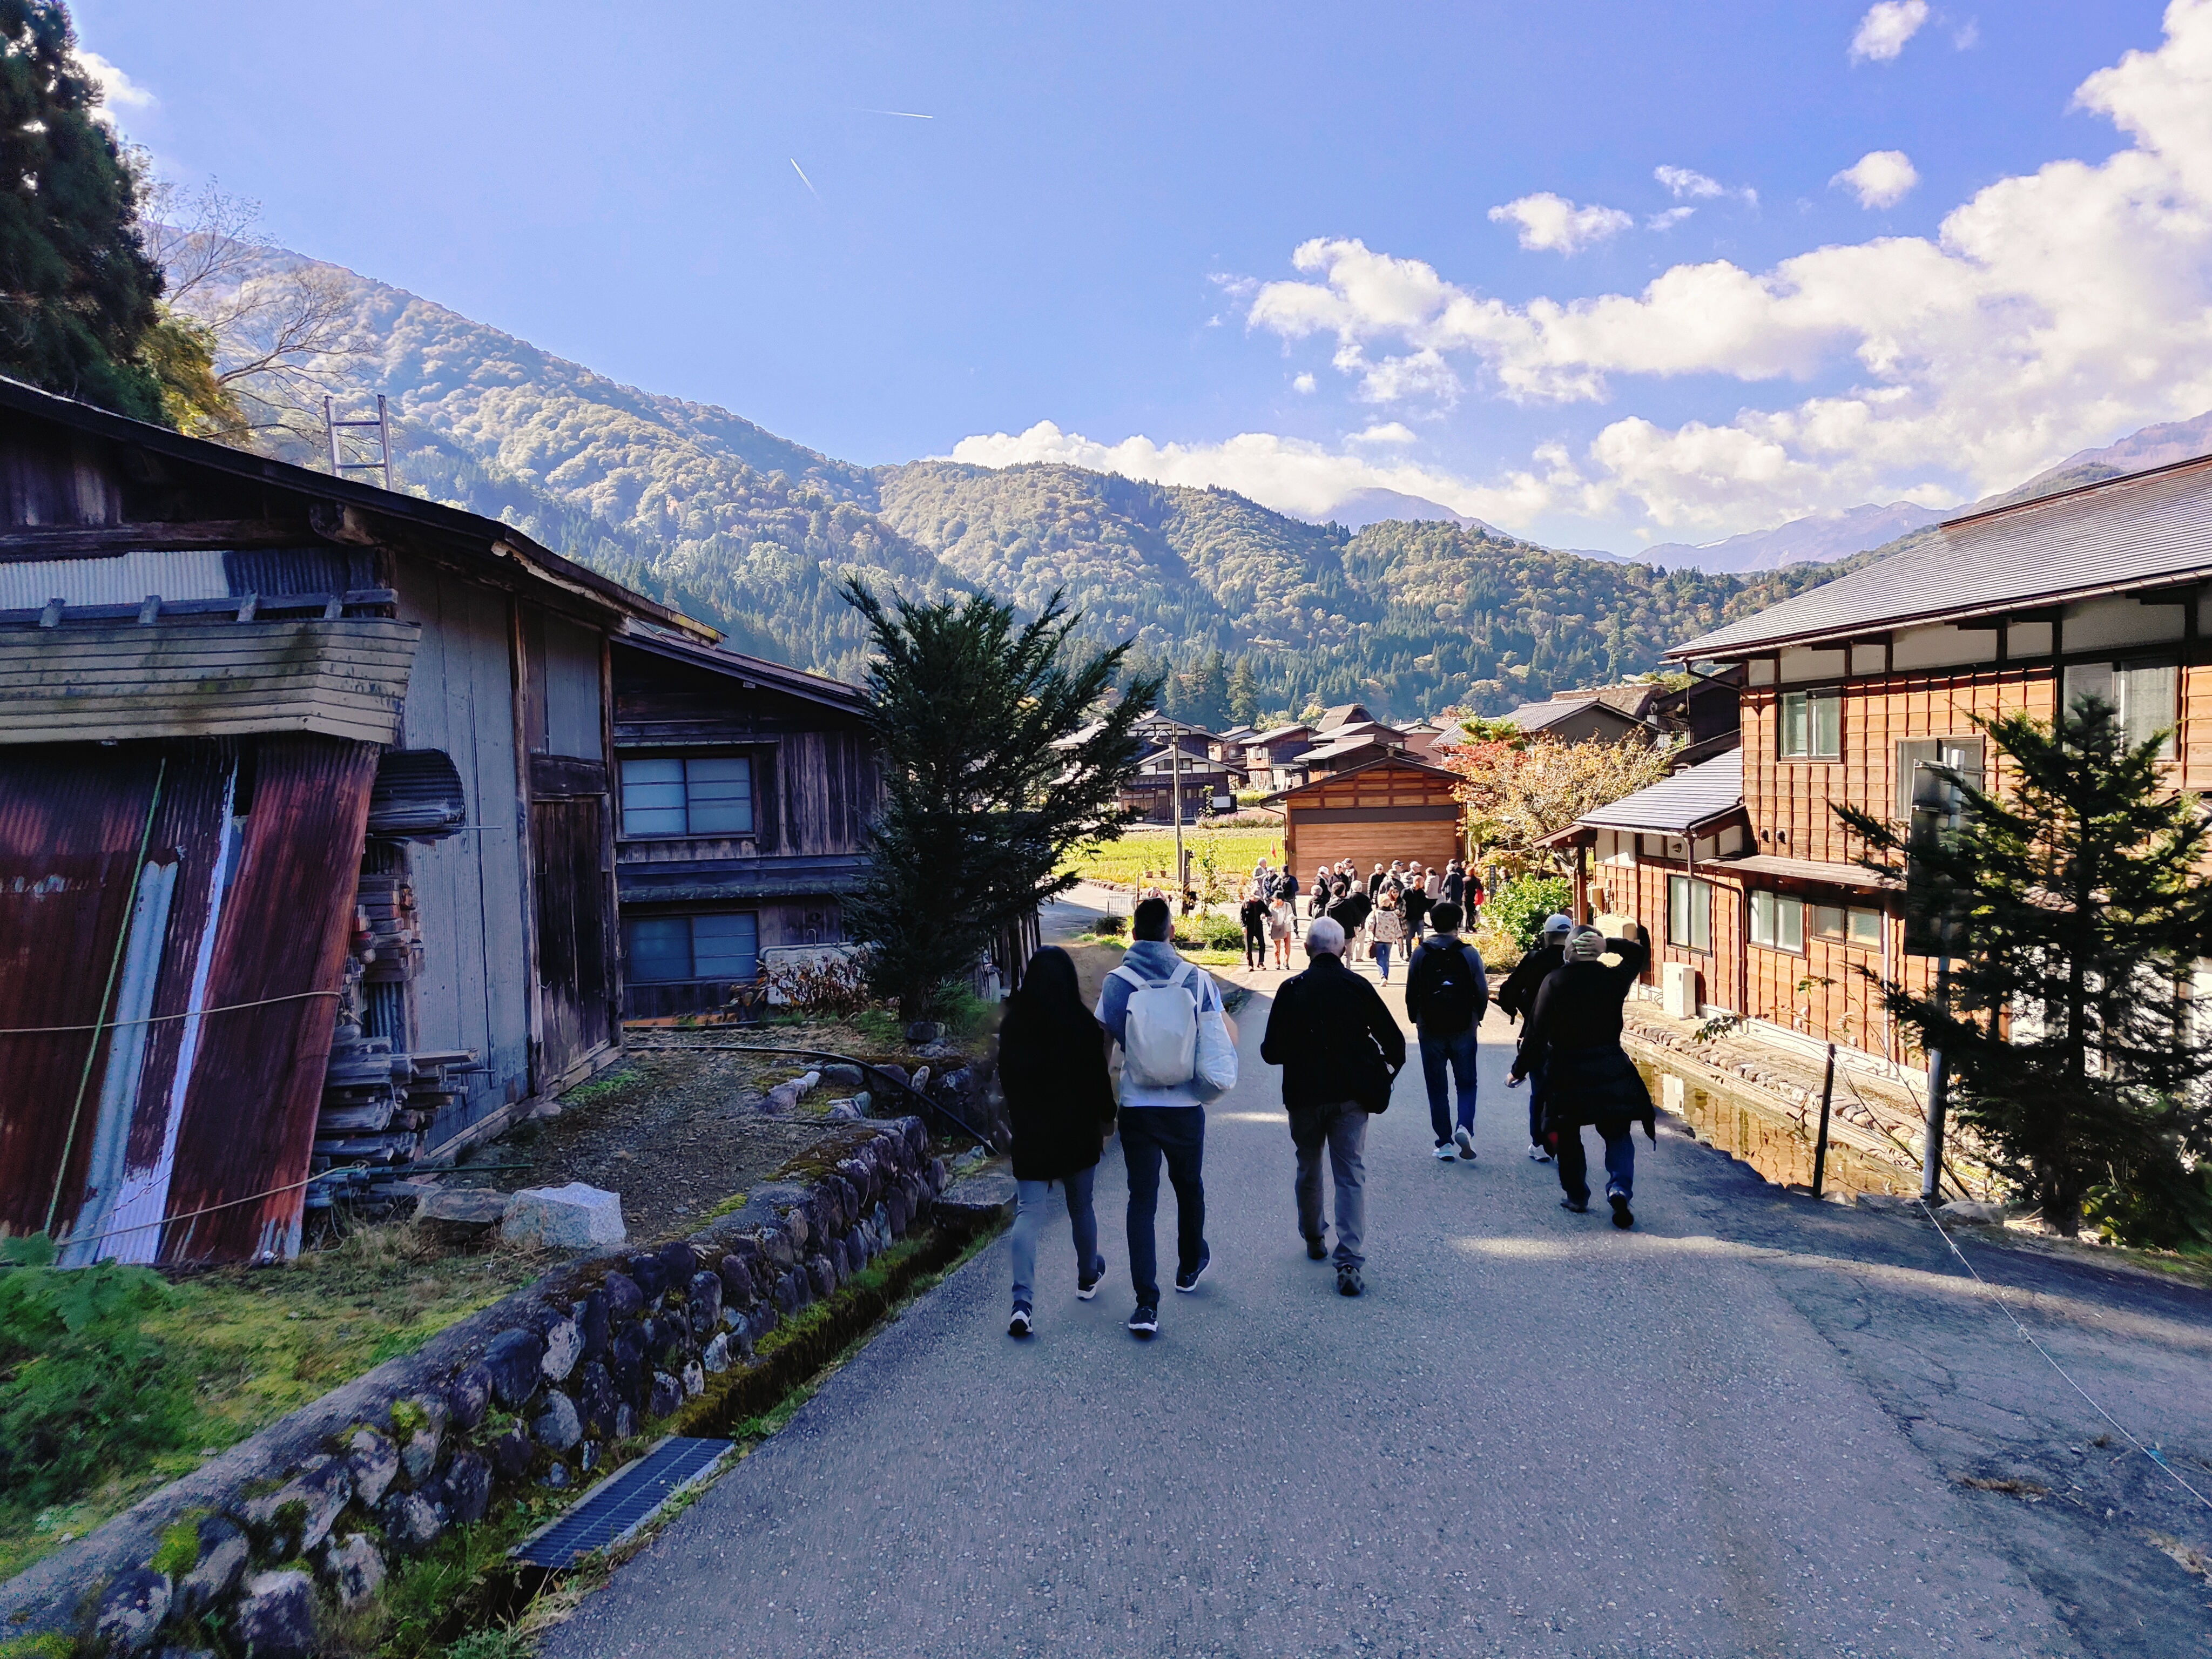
point(1463, 1137)
point(1538, 1155)
point(1447, 1152)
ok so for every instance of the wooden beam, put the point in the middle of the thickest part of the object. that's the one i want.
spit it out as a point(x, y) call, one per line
point(21, 544)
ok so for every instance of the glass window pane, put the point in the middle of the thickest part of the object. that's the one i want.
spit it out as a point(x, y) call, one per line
point(659, 948)
point(653, 796)
point(1762, 918)
point(1827, 726)
point(1701, 915)
point(2090, 680)
point(1827, 921)
point(2147, 693)
point(1678, 910)
point(1793, 722)
point(1866, 928)
point(720, 791)
point(726, 947)
point(1789, 924)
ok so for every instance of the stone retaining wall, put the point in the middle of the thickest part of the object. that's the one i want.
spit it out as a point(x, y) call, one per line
point(532, 1394)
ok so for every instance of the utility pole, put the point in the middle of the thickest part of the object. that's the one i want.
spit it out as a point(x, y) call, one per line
point(1931, 1157)
point(1174, 772)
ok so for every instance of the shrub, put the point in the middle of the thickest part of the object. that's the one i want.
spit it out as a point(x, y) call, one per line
point(1518, 907)
point(1110, 926)
point(1210, 932)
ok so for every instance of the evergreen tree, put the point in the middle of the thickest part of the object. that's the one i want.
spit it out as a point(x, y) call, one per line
point(1208, 698)
point(80, 290)
point(2075, 1046)
point(1244, 694)
point(983, 792)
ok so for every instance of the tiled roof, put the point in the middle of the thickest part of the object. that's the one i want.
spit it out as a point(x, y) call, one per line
point(1697, 795)
point(2146, 530)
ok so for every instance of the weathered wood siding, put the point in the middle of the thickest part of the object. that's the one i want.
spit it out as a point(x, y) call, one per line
point(1371, 817)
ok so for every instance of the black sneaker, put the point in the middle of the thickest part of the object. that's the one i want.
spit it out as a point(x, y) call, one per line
point(1316, 1249)
point(1622, 1216)
point(1145, 1322)
point(1087, 1288)
point(1019, 1324)
point(1189, 1281)
point(1575, 1208)
point(1347, 1281)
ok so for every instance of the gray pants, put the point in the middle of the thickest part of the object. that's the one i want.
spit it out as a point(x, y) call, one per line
point(1341, 1131)
point(1029, 1222)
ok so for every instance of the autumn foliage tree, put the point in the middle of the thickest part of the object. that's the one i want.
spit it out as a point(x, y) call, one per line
point(1519, 788)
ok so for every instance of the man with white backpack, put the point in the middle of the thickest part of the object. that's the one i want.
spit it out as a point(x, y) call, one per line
point(1177, 1054)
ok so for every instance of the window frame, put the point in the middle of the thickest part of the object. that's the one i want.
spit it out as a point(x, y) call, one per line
point(1809, 699)
point(1775, 906)
point(755, 770)
point(1848, 916)
point(633, 926)
point(1693, 888)
point(2119, 671)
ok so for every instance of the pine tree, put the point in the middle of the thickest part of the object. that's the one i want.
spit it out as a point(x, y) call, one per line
point(80, 289)
point(1244, 694)
point(2076, 1049)
point(984, 790)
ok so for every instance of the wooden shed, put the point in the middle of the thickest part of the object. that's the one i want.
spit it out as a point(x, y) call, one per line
point(1390, 807)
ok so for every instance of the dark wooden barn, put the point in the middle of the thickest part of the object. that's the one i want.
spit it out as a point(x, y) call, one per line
point(306, 837)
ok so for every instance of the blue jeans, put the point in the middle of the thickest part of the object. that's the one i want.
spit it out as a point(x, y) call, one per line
point(1382, 957)
point(1178, 1135)
point(1029, 1222)
point(1460, 1052)
point(1619, 1159)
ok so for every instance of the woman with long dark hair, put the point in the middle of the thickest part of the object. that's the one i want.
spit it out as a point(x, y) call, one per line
point(1052, 1069)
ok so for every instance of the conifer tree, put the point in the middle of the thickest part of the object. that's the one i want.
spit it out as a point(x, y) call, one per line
point(2077, 1051)
point(997, 760)
point(78, 291)
point(1244, 694)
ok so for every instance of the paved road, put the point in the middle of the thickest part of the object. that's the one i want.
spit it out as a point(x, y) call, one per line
point(1741, 1429)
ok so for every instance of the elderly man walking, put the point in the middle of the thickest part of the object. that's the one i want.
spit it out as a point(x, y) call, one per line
point(1574, 1033)
point(1341, 1049)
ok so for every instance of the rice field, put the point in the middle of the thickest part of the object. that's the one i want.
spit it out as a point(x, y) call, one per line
point(1137, 854)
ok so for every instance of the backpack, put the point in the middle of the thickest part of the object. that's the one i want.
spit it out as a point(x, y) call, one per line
point(1166, 1042)
point(1452, 1000)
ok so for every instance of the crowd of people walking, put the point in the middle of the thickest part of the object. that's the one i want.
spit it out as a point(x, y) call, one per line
point(1340, 1048)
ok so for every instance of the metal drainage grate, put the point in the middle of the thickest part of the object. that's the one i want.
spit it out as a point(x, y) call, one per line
point(623, 1502)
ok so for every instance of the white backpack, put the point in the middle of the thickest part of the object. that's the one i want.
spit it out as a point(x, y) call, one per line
point(1166, 1042)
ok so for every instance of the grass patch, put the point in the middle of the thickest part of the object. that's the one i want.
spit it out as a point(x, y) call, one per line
point(1127, 860)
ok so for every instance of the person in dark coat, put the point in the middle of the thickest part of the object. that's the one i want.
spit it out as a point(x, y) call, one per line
point(1574, 1030)
point(1252, 912)
point(1052, 1069)
point(1351, 911)
point(1517, 997)
point(1455, 886)
point(1414, 901)
point(1286, 889)
point(1340, 1049)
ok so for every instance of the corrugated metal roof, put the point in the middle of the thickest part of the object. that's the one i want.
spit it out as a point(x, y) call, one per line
point(1691, 798)
point(120, 579)
point(2147, 530)
point(344, 678)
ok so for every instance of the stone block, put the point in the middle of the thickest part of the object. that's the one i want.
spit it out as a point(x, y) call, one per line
point(780, 1248)
point(737, 1281)
point(588, 1457)
point(694, 1380)
point(222, 1558)
point(626, 1364)
point(455, 1215)
point(840, 1075)
point(372, 1462)
point(985, 1199)
point(595, 1397)
point(706, 1304)
point(678, 1262)
point(559, 1426)
point(514, 1360)
point(590, 1317)
point(510, 1452)
point(625, 1421)
point(715, 1357)
point(410, 1522)
point(468, 1397)
point(1966, 1213)
point(564, 1345)
point(467, 1488)
point(895, 1209)
point(556, 1478)
point(277, 1617)
point(297, 1516)
point(573, 1217)
point(418, 1454)
point(845, 1111)
point(131, 1610)
point(354, 1568)
point(821, 1276)
point(651, 1280)
point(667, 1394)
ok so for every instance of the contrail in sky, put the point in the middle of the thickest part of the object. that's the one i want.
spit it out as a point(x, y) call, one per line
point(804, 180)
point(903, 114)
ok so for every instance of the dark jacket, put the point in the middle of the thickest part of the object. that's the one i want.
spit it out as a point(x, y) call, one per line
point(1421, 977)
point(1414, 901)
point(1059, 1100)
point(1574, 1033)
point(1325, 1031)
point(1454, 884)
point(1351, 912)
point(1252, 912)
point(1518, 994)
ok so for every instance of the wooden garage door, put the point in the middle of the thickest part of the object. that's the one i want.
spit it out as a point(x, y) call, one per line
point(1367, 845)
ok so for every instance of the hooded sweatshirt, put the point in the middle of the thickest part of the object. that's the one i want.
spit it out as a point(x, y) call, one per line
point(1156, 960)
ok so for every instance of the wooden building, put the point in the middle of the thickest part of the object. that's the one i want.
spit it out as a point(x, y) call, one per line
point(1390, 807)
point(1578, 717)
point(306, 850)
point(1849, 689)
point(746, 790)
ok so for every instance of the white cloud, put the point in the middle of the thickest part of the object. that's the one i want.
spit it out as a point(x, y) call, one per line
point(1386, 432)
point(1686, 181)
point(116, 89)
point(1879, 178)
point(1967, 36)
point(1551, 224)
point(1303, 383)
point(1887, 24)
point(1668, 220)
point(2051, 311)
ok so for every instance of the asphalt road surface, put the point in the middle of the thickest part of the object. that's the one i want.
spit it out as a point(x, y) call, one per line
point(1747, 1427)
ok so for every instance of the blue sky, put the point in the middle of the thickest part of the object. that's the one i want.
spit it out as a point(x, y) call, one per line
point(1100, 228)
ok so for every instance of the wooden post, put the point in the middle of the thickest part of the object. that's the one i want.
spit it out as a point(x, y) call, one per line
point(1820, 1146)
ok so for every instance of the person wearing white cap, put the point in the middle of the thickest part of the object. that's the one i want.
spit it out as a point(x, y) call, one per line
point(1517, 997)
point(1574, 1030)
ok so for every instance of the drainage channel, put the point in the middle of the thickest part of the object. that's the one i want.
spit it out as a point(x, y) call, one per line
point(1771, 1142)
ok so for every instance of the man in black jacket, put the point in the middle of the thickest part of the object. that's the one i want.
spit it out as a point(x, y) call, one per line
point(1341, 1049)
point(1517, 997)
point(1252, 912)
point(1575, 1031)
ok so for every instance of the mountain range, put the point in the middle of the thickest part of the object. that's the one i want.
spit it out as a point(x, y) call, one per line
point(1411, 607)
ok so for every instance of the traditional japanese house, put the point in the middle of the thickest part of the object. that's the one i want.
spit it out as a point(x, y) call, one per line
point(746, 790)
point(306, 861)
point(1389, 807)
point(1848, 692)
